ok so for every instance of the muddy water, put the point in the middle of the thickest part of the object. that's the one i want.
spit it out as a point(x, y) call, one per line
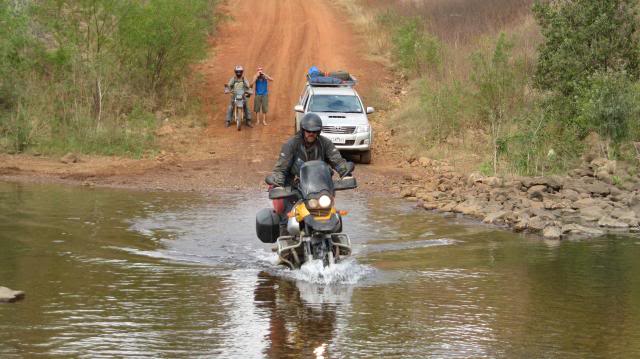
point(112, 274)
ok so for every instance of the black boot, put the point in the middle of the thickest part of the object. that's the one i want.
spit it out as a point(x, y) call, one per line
point(227, 124)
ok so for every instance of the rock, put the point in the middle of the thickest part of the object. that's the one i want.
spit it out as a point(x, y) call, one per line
point(586, 202)
point(536, 224)
point(599, 188)
point(494, 216)
point(448, 206)
point(424, 162)
point(574, 228)
point(569, 194)
point(521, 225)
point(492, 181)
point(470, 208)
point(626, 215)
point(69, 158)
point(536, 192)
point(604, 176)
point(408, 191)
point(603, 165)
point(553, 232)
point(9, 296)
point(607, 221)
point(592, 213)
point(474, 177)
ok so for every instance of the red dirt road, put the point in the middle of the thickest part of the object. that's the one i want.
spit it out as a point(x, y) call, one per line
point(285, 37)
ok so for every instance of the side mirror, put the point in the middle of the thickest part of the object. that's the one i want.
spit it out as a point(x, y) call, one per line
point(370, 110)
point(298, 108)
point(345, 183)
point(281, 192)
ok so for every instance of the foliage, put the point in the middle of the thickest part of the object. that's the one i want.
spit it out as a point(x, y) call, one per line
point(414, 49)
point(162, 38)
point(583, 37)
point(107, 65)
point(609, 105)
point(444, 108)
point(588, 65)
point(499, 91)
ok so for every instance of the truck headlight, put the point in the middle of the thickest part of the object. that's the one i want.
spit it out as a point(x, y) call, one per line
point(362, 129)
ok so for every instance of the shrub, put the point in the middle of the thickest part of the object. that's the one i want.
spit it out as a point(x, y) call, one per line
point(499, 91)
point(609, 104)
point(414, 49)
point(162, 38)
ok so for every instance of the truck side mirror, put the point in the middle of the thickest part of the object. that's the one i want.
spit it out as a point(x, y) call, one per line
point(298, 108)
point(370, 110)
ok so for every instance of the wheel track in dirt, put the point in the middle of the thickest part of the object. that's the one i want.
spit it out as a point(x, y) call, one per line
point(286, 37)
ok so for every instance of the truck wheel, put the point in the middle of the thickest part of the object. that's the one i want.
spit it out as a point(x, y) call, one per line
point(365, 157)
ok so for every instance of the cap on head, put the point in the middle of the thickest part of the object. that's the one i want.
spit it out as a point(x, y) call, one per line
point(311, 122)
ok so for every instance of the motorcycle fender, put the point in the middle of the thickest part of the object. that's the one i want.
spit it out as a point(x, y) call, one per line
point(330, 225)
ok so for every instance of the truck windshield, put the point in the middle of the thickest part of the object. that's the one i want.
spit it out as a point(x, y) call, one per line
point(334, 103)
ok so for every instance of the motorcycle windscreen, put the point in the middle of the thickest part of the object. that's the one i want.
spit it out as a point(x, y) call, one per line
point(315, 177)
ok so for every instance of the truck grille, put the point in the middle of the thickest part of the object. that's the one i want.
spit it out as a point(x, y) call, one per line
point(338, 129)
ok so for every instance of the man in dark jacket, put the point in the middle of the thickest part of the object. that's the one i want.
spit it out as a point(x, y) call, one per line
point(307, 145)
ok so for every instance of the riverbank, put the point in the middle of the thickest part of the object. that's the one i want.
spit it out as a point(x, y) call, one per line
point(590, 201)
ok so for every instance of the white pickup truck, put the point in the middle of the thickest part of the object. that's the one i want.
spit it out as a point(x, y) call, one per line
point(344, 117)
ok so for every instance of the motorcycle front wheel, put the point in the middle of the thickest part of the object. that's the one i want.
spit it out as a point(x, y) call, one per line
point(239, 117)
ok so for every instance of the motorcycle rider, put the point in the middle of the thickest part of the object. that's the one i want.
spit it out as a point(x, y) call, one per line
point(240, 83)
point(306, 145)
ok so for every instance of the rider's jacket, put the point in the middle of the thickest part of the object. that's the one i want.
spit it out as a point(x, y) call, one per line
point(236, 83)
point(294, 153)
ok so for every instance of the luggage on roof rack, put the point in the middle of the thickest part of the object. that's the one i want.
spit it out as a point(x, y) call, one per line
point(335, 78)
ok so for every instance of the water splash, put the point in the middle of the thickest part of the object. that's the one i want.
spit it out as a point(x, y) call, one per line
point(347, 271)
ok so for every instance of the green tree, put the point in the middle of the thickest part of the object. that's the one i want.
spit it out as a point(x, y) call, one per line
point(583, 37)
point(499, 91)
point(163, 37)
point(415, 49)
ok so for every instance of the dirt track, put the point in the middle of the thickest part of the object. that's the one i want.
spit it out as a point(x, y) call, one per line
point(285, 37)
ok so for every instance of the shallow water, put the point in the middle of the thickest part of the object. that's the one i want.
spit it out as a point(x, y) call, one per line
point(113, 273)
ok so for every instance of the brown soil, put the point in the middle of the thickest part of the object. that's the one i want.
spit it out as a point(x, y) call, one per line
point(285, 37)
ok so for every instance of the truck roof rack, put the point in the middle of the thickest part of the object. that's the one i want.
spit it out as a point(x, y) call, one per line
point(332, 79)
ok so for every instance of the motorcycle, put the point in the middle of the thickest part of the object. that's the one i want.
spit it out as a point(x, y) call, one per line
point(240, 96)
point(314, 225)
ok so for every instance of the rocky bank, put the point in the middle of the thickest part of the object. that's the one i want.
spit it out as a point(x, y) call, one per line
point(599, 197)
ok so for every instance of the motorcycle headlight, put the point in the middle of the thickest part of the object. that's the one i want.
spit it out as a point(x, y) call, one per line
point(324, 201)
point(313, 203)
point(362, 129)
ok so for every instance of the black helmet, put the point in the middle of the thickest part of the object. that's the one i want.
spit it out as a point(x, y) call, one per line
point(311, 122)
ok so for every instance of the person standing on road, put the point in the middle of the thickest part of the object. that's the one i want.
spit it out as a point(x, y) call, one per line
point(261, 101)
point(239, 82)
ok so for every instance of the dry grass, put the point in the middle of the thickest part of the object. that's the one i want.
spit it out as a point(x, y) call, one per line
point(457, 22)
point(463, 27)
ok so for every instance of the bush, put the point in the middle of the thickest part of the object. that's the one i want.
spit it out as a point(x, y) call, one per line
point(105, 63)
point(499, 91)
point(161, 38)
point(414, 49)
point(443, 108)
point(609, 104)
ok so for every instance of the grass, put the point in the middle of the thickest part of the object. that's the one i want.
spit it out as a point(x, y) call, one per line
point(444, 112)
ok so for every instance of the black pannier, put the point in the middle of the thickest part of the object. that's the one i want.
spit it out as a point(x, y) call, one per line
point(267, 225)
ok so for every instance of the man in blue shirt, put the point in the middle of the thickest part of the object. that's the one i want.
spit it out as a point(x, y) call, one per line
point(261, 101)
